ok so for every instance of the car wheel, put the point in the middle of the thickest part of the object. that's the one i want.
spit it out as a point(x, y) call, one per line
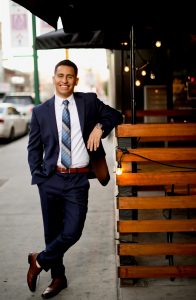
point(12, 134)
point(27, 129)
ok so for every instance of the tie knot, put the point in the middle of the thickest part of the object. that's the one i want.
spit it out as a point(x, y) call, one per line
point(66, 102)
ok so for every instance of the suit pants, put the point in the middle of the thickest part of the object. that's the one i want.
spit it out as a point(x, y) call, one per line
point(64, 203)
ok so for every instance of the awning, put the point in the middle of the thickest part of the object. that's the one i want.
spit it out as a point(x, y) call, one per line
point(88, 39)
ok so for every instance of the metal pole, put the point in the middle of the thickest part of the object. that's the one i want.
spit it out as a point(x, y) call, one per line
point(132, 74)
point(36, 75)
point(133, 113)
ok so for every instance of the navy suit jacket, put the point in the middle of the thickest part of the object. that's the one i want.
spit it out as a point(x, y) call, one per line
point(43, 146)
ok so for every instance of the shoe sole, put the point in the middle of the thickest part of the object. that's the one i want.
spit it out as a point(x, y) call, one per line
point(51, 295)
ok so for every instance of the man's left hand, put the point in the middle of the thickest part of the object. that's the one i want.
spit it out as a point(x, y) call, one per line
point(94, 139)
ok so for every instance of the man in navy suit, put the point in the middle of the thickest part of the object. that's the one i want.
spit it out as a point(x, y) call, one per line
point(64, 191)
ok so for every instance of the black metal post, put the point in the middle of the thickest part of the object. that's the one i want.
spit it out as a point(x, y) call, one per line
point(132, 76)
point(133, 111)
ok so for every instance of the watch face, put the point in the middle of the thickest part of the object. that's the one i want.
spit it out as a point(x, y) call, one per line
point(99, 125)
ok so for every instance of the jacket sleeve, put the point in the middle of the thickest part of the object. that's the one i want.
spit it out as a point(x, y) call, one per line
point(35, 146)
point(108, 117)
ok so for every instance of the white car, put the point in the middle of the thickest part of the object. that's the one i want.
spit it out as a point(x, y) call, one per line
point(24, 103)
point(12, 123)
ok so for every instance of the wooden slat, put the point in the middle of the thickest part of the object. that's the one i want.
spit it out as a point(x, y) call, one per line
point(156, 202)
point(181, 189)
point(182, 225)
point(163, 112)
point(166, 138)
point(157, 154)
point(156, 271)
point(156, 130)
point(155, 249)
point(153, 178)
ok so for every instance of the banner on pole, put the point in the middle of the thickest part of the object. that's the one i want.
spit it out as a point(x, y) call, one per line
point(19, 25)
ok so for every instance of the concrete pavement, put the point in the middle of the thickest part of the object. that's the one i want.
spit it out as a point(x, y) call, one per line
point(90, 264)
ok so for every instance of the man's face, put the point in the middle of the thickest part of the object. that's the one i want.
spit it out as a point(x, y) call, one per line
point(64, 81)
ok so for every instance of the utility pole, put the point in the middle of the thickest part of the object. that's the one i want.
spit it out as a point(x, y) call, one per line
point(36, 74)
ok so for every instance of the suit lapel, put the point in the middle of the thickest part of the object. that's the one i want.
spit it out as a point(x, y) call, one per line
point(81, 109)
point(52, 118)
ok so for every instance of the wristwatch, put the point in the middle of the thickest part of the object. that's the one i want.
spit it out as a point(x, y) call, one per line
point(99, 126)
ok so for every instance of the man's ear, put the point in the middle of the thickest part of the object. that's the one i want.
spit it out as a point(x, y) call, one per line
point(77, 80)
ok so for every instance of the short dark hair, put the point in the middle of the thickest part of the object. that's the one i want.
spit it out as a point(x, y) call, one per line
point(67, 62)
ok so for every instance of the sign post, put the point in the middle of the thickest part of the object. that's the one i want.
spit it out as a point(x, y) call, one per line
point(36, 74)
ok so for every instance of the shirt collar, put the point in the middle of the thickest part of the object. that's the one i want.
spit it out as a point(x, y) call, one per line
point(59, 100)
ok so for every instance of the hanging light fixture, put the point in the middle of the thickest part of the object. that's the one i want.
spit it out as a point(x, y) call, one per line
point(137, 82)
point(152, 75)
point(119, 168)
point(158, 44)
point(126, 68)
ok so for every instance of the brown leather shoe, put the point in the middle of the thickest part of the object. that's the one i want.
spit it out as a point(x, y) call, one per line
point(33, 271)
point(55, 287)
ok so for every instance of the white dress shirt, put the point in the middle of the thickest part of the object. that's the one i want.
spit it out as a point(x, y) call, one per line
point(79, 154)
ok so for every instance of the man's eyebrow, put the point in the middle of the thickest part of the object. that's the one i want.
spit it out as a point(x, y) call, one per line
point(65, 74)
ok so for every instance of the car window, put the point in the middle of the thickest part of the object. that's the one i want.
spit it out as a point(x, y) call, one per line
point(12, 111)
point(19, 100)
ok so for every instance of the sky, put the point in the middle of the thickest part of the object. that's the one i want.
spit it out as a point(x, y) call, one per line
point(20, 57)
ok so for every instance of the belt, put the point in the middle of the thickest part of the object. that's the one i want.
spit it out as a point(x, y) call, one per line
point(72, 170)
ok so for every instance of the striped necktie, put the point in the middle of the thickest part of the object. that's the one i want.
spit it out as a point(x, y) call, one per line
point(66, 137)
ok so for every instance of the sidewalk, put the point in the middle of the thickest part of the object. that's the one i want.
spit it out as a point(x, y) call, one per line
point(90, 265)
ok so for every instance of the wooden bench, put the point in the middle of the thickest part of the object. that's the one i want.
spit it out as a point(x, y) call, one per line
point(145, 168)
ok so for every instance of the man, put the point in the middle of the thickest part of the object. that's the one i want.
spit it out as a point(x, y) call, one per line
point(64, 152)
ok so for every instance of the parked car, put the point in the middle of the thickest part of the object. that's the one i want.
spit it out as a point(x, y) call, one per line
point(12, 123)
point(24, 103)
point(2, 95)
